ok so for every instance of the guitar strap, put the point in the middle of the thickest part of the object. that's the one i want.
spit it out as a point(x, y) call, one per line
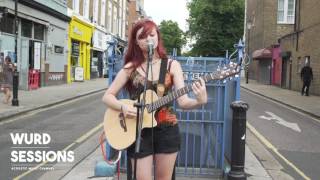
point(162, 77)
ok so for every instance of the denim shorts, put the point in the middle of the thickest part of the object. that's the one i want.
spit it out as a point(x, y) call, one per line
point(166, 139)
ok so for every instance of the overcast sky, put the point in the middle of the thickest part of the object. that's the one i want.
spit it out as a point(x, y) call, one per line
point(175, 10)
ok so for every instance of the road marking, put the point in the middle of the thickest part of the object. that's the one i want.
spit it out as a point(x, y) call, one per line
point(33, 112)
point(279, 120)
point(275, 150)
point(283, 105)
point(78, 141)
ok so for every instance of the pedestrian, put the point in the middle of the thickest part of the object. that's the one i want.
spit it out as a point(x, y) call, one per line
point(307, 77)
point(6, 87)
point(162, 142)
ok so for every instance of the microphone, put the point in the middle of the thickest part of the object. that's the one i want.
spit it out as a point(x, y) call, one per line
point(150, 47)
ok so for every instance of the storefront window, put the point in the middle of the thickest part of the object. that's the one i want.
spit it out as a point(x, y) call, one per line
point(26, 28)
point(7, 23)
point(75, 47)
point(38, 31)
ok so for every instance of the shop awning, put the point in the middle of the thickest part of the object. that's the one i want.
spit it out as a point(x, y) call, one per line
point(262, 54)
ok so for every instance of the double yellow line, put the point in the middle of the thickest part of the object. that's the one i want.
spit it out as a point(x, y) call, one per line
point(275, 150)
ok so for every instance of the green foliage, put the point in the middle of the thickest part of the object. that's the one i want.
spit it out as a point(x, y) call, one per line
point(172, 36)
point(215, 25)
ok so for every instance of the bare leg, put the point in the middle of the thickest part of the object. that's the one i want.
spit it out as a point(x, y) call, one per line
point(6, 92)
point(164, 165)
point(144, 168)
point(7, 95)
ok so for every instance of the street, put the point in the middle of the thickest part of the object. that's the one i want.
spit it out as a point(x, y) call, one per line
point(64, 123)
point(294, 135)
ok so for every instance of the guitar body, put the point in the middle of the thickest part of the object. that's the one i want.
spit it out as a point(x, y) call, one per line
point(116, 136)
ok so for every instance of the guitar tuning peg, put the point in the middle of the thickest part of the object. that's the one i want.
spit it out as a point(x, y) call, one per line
point(224, 81)
point(237, 75)
point(230, 78)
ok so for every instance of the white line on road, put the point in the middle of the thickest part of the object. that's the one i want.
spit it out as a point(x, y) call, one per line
point(33, 112)
point(275, 150)
point(279, 120)
point(283, 105)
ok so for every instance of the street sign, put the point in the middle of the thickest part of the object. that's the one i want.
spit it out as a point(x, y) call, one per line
point(78, 74)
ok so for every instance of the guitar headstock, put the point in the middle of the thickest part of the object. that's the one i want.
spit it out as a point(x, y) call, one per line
point(229, 70)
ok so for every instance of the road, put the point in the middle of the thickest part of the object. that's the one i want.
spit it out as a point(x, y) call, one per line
point(294, 136)
point(64, 123)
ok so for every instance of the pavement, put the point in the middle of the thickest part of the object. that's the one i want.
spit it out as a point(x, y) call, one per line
point(83, 167)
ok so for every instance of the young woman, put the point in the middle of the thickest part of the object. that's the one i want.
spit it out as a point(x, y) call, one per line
point(8, 77)
point(164, 146)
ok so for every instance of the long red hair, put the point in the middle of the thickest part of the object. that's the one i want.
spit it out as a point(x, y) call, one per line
point(134, 54)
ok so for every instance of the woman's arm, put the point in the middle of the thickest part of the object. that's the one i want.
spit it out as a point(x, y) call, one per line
point(199, 89)
point(109, 97)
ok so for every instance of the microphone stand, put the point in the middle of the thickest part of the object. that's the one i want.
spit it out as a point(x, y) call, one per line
point(140, 105)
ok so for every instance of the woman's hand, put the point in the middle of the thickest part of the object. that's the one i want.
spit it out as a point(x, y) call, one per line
point(129, 111)
point(200, 91)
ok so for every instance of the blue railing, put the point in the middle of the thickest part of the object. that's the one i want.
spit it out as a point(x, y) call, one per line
point(205, 131)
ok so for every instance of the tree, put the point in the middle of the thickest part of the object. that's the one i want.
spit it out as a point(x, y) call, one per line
point(172, 36)
point(215, 25)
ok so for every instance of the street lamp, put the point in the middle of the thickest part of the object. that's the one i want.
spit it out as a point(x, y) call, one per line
point(15, 83)
point(249, 26)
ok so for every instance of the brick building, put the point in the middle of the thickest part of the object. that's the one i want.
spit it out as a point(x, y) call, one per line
point(280, 35)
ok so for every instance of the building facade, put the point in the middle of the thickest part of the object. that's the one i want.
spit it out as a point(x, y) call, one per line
point(280, 35)
point(42, 39)
point(61, 41)
point(108, 19)
point(136, 12)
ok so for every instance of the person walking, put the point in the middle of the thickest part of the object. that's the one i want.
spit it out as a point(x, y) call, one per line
point(306, 77)
point(6, 87)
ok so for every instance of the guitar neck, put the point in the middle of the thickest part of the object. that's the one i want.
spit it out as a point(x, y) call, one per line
point(174, 95)
point(220, 74)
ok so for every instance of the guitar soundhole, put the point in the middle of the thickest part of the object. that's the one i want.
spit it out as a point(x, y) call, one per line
point(123, 121)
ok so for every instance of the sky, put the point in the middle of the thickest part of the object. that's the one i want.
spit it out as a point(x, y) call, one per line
point(175, 10)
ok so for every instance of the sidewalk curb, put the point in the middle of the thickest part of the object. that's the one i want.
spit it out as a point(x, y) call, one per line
point(14, 113)
point(283, 103)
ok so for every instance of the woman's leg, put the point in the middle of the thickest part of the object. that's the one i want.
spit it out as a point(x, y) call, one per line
point(144, 168)
point(8, 95)
point(164, 165)
point(5, 91)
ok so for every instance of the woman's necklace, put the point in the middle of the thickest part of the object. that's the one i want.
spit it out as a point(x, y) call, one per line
point(152, 63)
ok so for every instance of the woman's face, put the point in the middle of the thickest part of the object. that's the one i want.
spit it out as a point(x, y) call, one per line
point(150, 37)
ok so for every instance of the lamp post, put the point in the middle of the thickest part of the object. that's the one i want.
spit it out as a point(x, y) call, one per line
point(249, 26)
point(15, 83)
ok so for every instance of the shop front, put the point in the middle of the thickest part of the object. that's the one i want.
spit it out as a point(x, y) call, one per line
point(98, 60)
point(264, 58)
point(79, 43)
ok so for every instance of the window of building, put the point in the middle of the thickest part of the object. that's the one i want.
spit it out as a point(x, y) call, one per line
point(86, 8)
point(103, 13)
point(26, 28)
point(286, 11)
point(76, 6)
point(95, 10)
point(38, 31)
point(115, 18)
point(7, 24)
point(109, 16)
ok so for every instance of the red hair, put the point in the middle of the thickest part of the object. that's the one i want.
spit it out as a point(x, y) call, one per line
point(134, 53)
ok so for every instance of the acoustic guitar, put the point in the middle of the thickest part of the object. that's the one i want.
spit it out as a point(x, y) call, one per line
point(120, 131)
